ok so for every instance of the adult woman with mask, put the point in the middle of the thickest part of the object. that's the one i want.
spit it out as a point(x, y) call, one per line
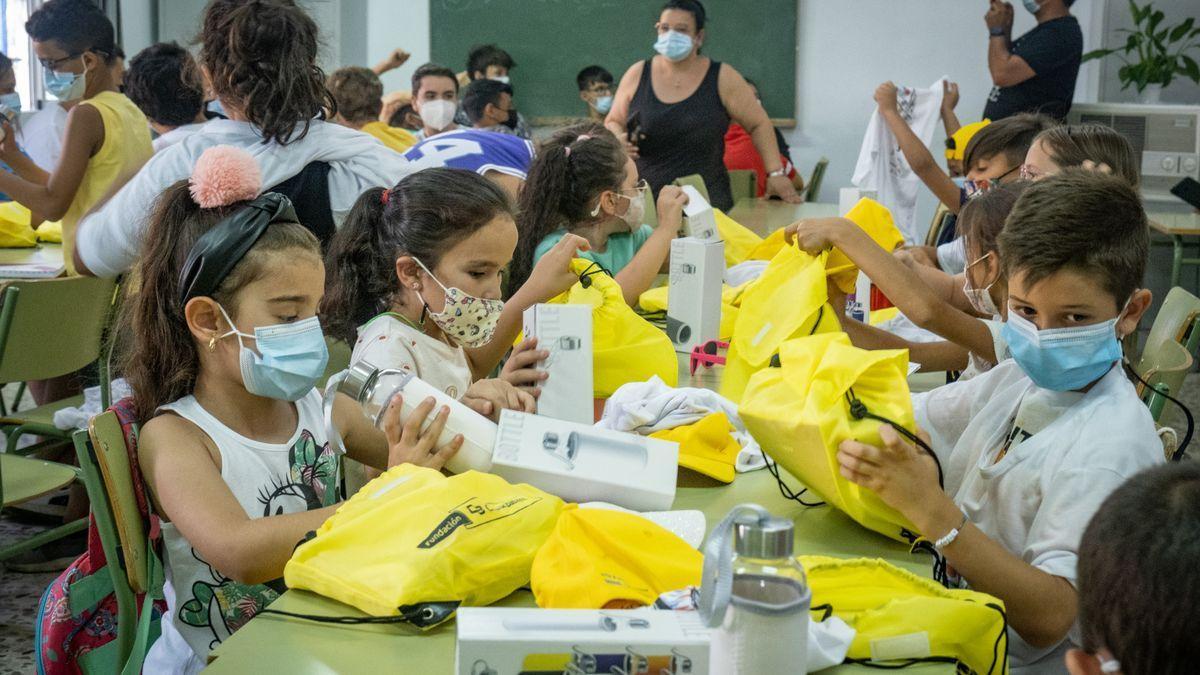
point(672, 110)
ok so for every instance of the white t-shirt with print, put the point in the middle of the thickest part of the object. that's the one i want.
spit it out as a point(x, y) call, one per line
point(108, 240)
point(204, 607)
point(1070, 451)
point(388, 342)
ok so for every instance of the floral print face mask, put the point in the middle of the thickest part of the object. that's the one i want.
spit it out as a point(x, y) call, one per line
point(468, 320)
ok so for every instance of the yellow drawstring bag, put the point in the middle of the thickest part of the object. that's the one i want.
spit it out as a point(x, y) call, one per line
point(801, 411)
point(874, 219)
point(50, 231)
point(656, 299)
point(788, 300)
point(600, 558)
point(739, 240)
point(902, 617)
point(15, 231)
point(625, 347)
point(416, 545)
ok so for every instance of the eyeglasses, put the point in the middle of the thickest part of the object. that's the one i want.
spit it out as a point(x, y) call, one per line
point(53, 64)
point(641, 187)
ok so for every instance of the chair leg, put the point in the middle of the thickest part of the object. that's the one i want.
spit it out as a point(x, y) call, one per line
point(42, 538)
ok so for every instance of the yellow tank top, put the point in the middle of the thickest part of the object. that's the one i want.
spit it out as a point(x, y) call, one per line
point(125, 149)
point(394, 137)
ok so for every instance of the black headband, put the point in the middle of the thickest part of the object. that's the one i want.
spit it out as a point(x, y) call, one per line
point(218, 251)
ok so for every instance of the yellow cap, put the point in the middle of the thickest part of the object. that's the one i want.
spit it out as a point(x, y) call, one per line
point(962, 137)
point(706, 446)
point(597, 558)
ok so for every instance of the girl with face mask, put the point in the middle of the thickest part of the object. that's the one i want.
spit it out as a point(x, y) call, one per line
point(582, 182)
point(106, 137)
point(414, 284)
point(226, 350)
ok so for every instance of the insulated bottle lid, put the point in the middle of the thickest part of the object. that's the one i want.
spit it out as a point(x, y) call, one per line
point(359, 377)
point(769, 539)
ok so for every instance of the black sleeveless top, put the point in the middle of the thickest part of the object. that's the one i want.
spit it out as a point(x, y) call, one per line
point(309, 192)
point(680, 139)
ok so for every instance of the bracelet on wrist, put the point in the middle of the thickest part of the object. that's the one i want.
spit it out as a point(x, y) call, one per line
point(950, 536)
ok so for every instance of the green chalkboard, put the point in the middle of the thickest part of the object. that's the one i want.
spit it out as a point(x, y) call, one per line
point(551, 40)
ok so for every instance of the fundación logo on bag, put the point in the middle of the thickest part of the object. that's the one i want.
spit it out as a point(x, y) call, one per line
point(480, 514)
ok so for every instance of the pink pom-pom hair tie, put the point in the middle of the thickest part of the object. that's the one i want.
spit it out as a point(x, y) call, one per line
point(224, 175)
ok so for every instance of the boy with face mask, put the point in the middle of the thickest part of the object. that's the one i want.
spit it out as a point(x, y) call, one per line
point(1031, 448)
point(107, 137)
point(596, 90)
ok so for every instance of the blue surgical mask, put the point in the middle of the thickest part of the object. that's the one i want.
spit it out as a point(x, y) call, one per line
point(291, 358)
point(11, 101)
point(1062, 359)
point(604, 104)
point(64, 86)
point(1032, 5)
point(673, 45)
point(960, 181)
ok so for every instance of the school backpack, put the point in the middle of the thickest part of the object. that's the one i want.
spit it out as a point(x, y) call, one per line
point(76, 629)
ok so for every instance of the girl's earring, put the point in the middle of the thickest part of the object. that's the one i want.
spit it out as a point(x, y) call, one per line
point(212, 343)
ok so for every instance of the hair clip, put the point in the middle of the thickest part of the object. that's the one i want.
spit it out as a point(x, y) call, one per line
point(386, 196)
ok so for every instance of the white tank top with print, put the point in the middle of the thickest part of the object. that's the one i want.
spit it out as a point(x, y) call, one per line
point(203, 606)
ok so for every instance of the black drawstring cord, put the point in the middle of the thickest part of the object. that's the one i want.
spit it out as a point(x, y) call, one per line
point(784, 490)
point(1187, 413)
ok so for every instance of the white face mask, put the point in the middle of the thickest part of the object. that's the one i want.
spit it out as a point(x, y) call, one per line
point(980, 298)
point(11, 101)
point(438, 114)
point(636, 213)
point(500, 78)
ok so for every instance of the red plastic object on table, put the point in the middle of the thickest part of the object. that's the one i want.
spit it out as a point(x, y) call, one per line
point(706, 354)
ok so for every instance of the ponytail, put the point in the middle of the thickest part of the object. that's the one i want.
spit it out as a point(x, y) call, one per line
point(570, 171)
point(424, 216)
point(360, 268)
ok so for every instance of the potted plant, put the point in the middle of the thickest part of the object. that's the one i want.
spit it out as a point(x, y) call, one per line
point(1153, 54)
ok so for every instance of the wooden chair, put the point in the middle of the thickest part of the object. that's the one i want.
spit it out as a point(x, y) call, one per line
point(697, 181)
point(743, 184)
point(814, 182)
point(941, 216)
point(133, 566)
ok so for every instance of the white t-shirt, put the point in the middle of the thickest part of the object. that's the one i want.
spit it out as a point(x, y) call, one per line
point(204, 607)
point(1070, 451)
point(109, 238)
point(388, 342)
point(41, 135)
point(952, 256)
point(176, 135)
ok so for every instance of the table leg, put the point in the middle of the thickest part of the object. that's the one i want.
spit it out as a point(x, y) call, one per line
point(1177, 260)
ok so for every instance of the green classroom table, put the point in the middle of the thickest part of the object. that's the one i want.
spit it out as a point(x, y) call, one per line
point(304, 647)
point(764, 216)
point(1177, 226)
point(42, 254)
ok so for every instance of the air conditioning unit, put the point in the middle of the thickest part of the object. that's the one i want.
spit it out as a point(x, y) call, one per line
point(1165, 139)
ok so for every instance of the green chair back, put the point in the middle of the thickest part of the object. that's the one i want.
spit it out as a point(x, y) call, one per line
point(51, 327)
point(112, 459)
point(696, 181)
point(1168, 352)
point(814, 182)
point(743, 184)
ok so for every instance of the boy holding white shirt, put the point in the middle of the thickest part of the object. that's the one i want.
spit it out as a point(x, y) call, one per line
point(1031, 448)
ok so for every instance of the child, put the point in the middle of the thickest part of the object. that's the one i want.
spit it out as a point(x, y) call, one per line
point(435, 99)
point(1032, 447)
point(414, 284)
point(501, 158)
point(741, 155)
point(489, 62)
point(1086, 145)
point(261, 61)
point(226, 351)
point(489, 106)
point(165, 83)
point(583, 183)
point(967, 336)
point(596, 90)
point(359, 96)
point(107, 139)
point(1138, 581)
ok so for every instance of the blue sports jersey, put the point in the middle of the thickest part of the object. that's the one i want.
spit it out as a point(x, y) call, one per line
point(474, 150)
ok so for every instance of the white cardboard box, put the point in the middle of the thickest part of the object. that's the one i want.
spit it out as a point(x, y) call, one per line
point(698, 218)
point(582, 463)
point(514, 641)
point(566, 332)
point(694, 300)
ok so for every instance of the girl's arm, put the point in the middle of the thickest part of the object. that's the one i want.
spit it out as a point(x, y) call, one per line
point(184, 475)
point(931, 356)
point(897, 281)
point(949, 102)
point(551, 276)
point(918, 156)
point(84, 136)
point(400, 441)
point(655, 253)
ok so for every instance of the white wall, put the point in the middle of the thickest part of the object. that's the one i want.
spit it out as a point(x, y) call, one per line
point(843, 54)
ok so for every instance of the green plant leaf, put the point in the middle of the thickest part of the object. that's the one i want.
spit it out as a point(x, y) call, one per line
point(1155, 19)
point(1179, 31)
point(1139, 13)
point(1190, 68)
point(1097, 54)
